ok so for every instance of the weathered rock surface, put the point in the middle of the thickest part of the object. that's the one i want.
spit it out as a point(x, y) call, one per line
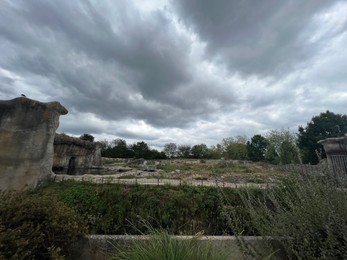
point(336, 150)
point(73, 155)
point(27, 129)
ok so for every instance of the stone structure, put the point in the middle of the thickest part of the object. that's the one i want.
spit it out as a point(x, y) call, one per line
point(336, 150)
point(74, 156)
point(27, 129)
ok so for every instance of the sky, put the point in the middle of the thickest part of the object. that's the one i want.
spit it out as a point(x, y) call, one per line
point(179, 71)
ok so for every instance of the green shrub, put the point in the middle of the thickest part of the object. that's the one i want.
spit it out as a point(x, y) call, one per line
point(304, 217)
point(121, 209)
point(162, 246)
point(37, 227)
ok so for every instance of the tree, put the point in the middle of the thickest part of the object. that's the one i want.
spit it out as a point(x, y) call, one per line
point(200, 151)
point(170, 150)
point(256, 148)
point(87, 137)
point(281, 147)
point(288, 153)
point(184, 151)
point(325, 125)
point(156, 155)
point(235, 148)
point(141, 150)
point(216, 151)
point(120, 149)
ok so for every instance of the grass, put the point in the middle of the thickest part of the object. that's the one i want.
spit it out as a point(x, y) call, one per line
point(305, 217)
point(162, 246)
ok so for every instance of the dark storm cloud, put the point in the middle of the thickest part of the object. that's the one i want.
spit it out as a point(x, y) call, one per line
point(117, 65)
point(264, 38)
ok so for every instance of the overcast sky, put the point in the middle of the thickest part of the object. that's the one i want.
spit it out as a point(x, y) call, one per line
point(183, 71)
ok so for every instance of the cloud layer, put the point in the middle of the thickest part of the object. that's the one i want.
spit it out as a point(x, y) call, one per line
point(182, 71)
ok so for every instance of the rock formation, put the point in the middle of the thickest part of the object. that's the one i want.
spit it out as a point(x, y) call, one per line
point(27, 129)
point(73, 155)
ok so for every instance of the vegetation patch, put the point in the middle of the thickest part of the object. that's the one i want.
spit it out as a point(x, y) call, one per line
point(36, 226)
point(305, 217)
point(130, 209)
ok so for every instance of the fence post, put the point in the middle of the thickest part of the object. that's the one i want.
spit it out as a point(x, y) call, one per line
point(202, 182)
point(158, 181)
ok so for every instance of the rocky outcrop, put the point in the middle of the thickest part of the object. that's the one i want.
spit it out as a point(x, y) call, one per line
point(73, 155)
point(27, 129)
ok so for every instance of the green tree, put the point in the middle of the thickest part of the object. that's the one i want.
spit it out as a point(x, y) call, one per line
point(235, 148)
point(120, 149)
point(141, 150)
point(87, 137)
point(184, 151)
point(200, 151)
point(325, 125)
point(156, 155)
point(216, 151)
point(170, 150)
point(282, 148)
point(256, 148)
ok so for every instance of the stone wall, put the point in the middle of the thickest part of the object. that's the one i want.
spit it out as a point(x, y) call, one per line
point(336, 150)
point(73, 155)
point(105, 246)
point(27, 129)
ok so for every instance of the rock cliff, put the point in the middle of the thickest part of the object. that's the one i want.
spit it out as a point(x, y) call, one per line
point(73, 155)
point(27, 129)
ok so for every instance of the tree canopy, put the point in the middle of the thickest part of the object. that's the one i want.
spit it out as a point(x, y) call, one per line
point(87, 137)
point(257, 148)
point(322, 126)
point(281, 147)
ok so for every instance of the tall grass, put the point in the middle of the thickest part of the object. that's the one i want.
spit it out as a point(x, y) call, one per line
point(162, 246)
point(305, 217)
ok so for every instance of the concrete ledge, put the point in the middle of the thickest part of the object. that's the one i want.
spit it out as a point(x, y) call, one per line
point(101, 247)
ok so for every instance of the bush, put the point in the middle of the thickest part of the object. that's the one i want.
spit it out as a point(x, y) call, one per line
point(304, 217)
point(37, 227)
point(121, 209)
point(162, 246)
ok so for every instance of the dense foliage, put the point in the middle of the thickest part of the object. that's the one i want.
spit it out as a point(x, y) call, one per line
point(325, 125)
point(118, 148)
point(37, 227)
point(119, 209)
point(87, 137)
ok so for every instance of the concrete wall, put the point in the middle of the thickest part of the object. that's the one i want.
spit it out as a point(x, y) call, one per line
point(101, 247)
point(27, 129)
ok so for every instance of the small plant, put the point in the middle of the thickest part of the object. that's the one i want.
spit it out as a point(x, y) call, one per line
point(162, 246)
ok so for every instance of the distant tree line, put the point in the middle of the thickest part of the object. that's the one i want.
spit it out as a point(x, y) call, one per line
point(119, 148)
point(276, 147)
